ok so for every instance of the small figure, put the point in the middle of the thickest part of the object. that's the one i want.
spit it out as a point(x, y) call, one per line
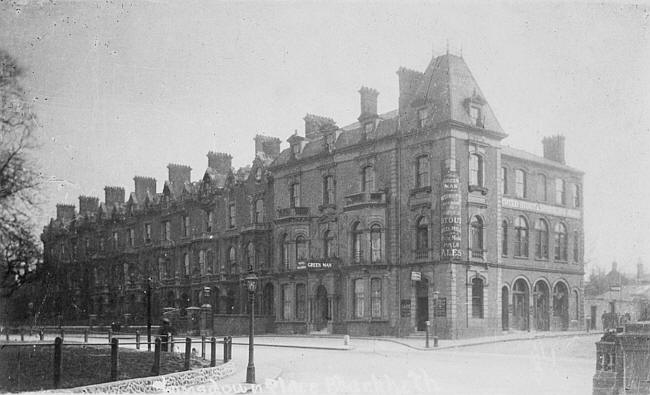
point(165, 330)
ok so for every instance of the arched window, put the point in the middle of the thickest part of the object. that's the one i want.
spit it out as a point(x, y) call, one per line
point(477, 298)
point(186, 262)
point(476, 239)
point(284, 251)
point(259, 211)
point(202, 267)
point(375, 244)
point(560, 242)
point(368, 179)
point(422, 171)
point(328, 244)
point(504, 238)
point(542, 188)
point(232, 260)
point(520, 183)
point(358, 297)
point(301, 249)
point(422, 235)
point(475, 170)
point(356, 243)
point(521, 237)
point(250, 256)
point(541, 239)
point(559, 191)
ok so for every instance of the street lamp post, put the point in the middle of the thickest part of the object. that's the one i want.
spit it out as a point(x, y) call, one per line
point(149, 280)
point(435, 306)
point(251, 284)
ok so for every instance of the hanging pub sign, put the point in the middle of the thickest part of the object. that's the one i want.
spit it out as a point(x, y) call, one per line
point(450, 217)
point(302, 265)
point(416, 276)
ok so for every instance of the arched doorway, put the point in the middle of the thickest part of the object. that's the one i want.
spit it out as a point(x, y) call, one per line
point(541, 306)
point(504, 309)
point(321, 313)
point(520, 294)
point(422, 304)
point(268, 299)
point(561, 305)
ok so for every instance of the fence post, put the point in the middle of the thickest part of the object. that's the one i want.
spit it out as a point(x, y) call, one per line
point(137, 339)
point(229, 348)
point(57, 362)
point(203, 346)
point(114, 358)
point(188, 351)
point(213, 352)
point(225, 349)
point(156, 358)
point(110, 335)
point(171, 342)
point(85, 335)
point(41, 334)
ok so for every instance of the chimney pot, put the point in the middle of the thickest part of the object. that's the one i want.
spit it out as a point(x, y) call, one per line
point(368, 103)
point(554, 148)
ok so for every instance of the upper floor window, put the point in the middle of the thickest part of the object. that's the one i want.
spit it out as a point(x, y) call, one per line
point(284, 251)
point(504, 238)
point(541, 239)
point(476, 116)
point(295, 148)
point(202, 266)
point(423, 115)
point(131, 237)
point(356, 243)
point(521, 237)
point(375, 243)
point(358, 297)
point(542, 188)
point(560, 242)
point(147, 233)
point(368, 179)
point(504, 180)
point(231, 215)
point(328, 190)
point(209, 221)
point(476, 239)
point(475, 170)
point(166, 231)
point(477, 298)
point(258, 174)
point(259, 211)
point(302, 252)
point(186, 262)
point(422, 234)
point(422, 171)
point(520, 183)
point(576, 195)
point(375, 298)
point(250, 256)
point(232, 260)
point(559, 191)
point(576, 246)
point(186, 225)
point(115, 240)
point(328, 244)
point(294, 195)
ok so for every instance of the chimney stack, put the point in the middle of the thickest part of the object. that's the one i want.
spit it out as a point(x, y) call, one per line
point(269, 146)
point(554, 148)
point(409, 80)
point(220, 161)
point(368, 104)
point(113, 196)
point(178, 176)
point(144, 185)
point(88, 205)
point(314, 124)
point(64, 212)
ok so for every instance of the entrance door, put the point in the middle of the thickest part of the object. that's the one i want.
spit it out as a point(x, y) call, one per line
point(321, 314)
point(504, 308)
point(520, 305)
point(561, 305)
point(422, 300)
point(542, 316)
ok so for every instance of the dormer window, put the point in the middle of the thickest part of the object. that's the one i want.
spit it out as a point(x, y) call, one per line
point(258, 174)
point(474, 107)
point(329, 142)
point(295, 149)
point(423, 115)
point(475, 114)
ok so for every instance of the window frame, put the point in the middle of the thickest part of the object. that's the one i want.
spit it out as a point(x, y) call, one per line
point(356, 252)
point(301, 301)
point(329, 194)
point(478, 302)
point(521, 249)
point(560, 191)
point(503, 177)
point(375, 297)
point(358, 298)
point(422, 167)
point(477, 226)
point(376, 245)
point(476, 171)
point(368, 179)
point(541, 239)
point(504, 238)
point(422, 234)
point(520, 185)
point(294, 194)
point(561, 237)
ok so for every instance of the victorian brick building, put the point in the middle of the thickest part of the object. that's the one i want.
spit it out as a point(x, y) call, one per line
point(419, 214)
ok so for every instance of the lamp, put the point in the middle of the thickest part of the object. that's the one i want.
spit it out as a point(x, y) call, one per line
point(251, 280)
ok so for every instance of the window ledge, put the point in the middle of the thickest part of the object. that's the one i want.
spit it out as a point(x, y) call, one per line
point(523, 258)
point(423, 189)
point(541, 259)
point(478, 188)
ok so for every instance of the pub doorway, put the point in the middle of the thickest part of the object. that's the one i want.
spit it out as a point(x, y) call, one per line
point(321, 313)
point(542, 316)
point(520, 305)
point(422, 304)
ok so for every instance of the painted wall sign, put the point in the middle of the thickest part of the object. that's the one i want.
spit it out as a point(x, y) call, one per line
point(450, 217)
point(539, 208)
point(405, 308)
point(440, 309)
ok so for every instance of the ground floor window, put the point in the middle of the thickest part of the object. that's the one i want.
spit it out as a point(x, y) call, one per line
point(477, 298)
point(286, 302)
point(358, 298)
point(375, 301)
point(300, 301)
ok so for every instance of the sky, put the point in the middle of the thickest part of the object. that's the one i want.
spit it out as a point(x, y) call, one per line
point(123, 88)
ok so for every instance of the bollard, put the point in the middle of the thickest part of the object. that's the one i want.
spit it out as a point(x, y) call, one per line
point(41, 335)
point(171, 342)
point(114, 359)
point(156, 358)
point(57, 362)
point(137, 339)
point(85, 335)
point(213, 352)
point(225, 349)
point(188, 352)
point(435, 341)
point(22, 335)
point(110, 335)
point(426, 342)
point(203, 347)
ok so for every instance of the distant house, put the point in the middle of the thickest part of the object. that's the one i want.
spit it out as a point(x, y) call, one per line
point(617, 302)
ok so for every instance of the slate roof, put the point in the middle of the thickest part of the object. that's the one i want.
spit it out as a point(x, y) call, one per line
point(527, 156)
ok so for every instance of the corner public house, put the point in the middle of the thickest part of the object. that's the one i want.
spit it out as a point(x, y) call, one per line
point(419, 214)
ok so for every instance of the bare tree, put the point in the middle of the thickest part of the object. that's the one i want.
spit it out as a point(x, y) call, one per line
point(19, 180)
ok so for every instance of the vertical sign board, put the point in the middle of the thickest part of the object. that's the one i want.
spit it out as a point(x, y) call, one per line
point(450, 217)
point(405, 308)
